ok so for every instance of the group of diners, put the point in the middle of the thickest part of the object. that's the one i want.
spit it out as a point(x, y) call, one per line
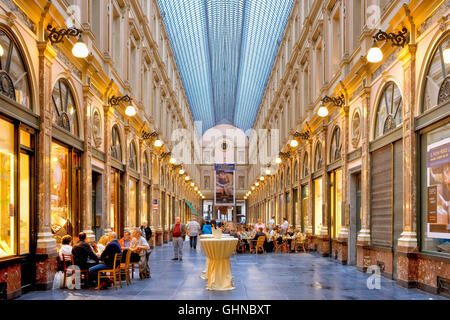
point(92, 257)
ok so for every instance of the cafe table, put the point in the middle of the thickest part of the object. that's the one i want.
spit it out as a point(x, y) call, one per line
point(205, 269)
point(218, 252)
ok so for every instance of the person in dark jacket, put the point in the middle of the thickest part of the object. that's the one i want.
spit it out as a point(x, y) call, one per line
point(112, 248)
point(82, 252)
point(146, 231)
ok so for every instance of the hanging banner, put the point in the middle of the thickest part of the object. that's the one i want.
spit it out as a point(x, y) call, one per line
point(224, 190)
point(438, 191)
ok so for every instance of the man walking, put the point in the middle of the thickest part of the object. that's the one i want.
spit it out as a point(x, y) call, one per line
point(271, 223)
point(284, 226)
point(193, 230)
point(178, 232)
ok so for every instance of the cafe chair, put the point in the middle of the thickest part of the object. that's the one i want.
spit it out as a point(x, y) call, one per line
point(260, 245)
point(114, 273)
point(67, 261)
point(241, 246)
point(300, 243)
point(125, 268)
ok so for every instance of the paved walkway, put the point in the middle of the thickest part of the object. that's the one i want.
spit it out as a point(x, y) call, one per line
point(274, 276)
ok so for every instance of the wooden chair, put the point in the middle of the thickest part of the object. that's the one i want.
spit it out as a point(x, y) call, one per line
point(260, 244)
point(241, 246)
point(67, 261)
point(113, 273)
point(125, 268)
point(300, 243)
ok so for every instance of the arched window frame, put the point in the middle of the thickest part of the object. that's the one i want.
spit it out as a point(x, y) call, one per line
point(392, 116)
point(318, 160)
point(305, 169)
point(146, 166)
point(64, 107)
point(133, 157)
point(336, 145)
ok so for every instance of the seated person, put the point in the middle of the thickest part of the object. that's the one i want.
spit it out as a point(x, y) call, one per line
point(108, 255)
point(290, 233)
point(101, 245)
point(126, 240)
point(140, 248)
point(207, 229)
point(82, 252)
point(66, 248)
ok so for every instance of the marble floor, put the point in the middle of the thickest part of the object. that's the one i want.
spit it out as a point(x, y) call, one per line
point(273, 276)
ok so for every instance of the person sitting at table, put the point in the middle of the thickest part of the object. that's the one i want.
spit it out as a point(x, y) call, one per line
point(260, 224)
point(82, 252)
point(270, 242)
point(108, 256)
point(290, 234)
point(140, 248)
point(260, 233)
point(207, 229)
point(66, 248)
point(101, 245)
point(126, 240)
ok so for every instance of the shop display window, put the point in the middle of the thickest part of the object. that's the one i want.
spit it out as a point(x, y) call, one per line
point(7, 175)
point(317, 206)
point(132, 213)
point(435, 191)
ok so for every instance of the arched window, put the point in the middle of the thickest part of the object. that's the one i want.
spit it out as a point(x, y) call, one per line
point(318, 162)
point(295, 171)
point(162, 176)
point(336, 145)
point(65, 114)
point(116, 146)
point(132, 161)
point(146, 166)
point(437, 81)
point(14, 76)
point(282, 180)
point(305, 171)
point(389, 110)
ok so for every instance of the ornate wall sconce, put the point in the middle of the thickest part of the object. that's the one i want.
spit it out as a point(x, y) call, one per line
point(130, 110)
point(336, 101)
point(398, 39)
point(79, 50)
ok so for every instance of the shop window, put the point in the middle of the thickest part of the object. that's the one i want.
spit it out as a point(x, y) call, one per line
point(116, 146)
point(318, 163)
point(437, 81)
point(132, 206)
point(14, 75)
point(133, 157)
point(64, 111)
point(317, 205)
point(64, 191)
point(305, 171)
point(389, 110)
point(7, 203)
point(435, 193)
point(336, 145)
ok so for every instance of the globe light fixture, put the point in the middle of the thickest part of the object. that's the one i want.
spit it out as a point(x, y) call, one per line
point(253, 188)
point(172, 161)
point(187, 178)
point(80, 50)
point(196, 188)
point(192, 184)
point(294, 143)
point(278, 160)
point(446, 55)
point(374, 55)
point(158, 143)
point(257, 184)
point(261, 178)
point(268, 171)
point(322, 112)
point(130, 111)
point(181, 172)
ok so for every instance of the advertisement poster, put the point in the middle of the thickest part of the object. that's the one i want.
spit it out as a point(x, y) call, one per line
point(438, 195)
point(224, 192)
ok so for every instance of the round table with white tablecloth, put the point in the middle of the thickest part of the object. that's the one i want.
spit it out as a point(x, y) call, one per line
point(205, 269)
point(218, 252)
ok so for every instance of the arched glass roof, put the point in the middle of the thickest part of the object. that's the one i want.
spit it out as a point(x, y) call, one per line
point(225, 51)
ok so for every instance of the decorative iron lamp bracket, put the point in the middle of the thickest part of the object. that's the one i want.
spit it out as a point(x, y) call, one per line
point(115, 101)
point(284, 154)
point(338, 101)
point(148, 135)
point(178, 166)
point(166, 154)
point(398, 39)
point(57, 36)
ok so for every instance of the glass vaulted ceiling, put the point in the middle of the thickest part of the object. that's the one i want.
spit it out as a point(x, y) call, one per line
point(225, 51)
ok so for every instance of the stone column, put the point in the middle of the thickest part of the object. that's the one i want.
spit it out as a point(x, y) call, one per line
point(343, 235)
point(407, 243)
point(324, 232)
point(310, 213)
point(156, 196)
point(126, 180)
point(107, 114)
point(86, 171)
point(46, 245)
point(140, 207)
point(363, 241)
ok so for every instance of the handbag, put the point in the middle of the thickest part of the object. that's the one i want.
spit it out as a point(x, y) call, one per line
point(58, 281)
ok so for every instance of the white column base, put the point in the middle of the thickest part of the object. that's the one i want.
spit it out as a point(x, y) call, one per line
point(324, 231)
point(364, 235)
point(90, 235)
point(408, 239)
point(46, 241)
point(343, 234)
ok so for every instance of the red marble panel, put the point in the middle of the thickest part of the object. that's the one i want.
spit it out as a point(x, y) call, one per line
point(429, 270)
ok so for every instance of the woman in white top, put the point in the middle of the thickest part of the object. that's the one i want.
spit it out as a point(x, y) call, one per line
point(66, 248)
